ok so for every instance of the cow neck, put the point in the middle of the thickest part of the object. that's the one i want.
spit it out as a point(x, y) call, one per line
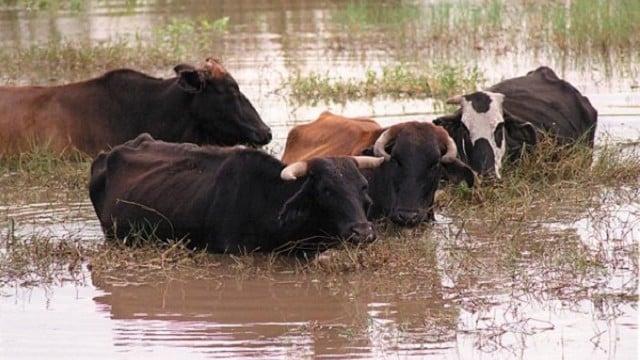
point(167, 112)
point(153, 105)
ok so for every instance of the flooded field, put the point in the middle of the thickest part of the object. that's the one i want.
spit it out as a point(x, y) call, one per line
point(546, 279)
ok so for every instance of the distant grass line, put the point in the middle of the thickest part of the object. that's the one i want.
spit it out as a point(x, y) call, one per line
point(60, 60)
point(579, 26)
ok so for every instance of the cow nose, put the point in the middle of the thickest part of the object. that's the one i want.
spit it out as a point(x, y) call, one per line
point(406, 217)
point(263, 138)
point(362, 232)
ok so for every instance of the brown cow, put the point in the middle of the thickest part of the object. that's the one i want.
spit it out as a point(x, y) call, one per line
point(320, 137)
point(418, 154)
point(202, 106)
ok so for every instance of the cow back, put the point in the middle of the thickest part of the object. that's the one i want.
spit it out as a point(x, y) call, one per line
point(551, 104)
point(330, 135)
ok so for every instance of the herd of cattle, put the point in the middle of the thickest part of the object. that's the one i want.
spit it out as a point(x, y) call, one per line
point(177, 167)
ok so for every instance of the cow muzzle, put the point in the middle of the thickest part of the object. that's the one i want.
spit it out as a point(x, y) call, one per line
point(261, 137)
point(410, 217)
point(362, 233)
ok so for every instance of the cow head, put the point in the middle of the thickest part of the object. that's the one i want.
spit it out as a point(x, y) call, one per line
point(333, 196)
point(418, 156)
point(482, 129)
point(224, 114)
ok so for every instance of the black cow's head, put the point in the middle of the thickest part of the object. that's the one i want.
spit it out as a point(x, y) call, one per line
point(418, 156)
point(224, 114)
point(333, 196)
point(482, 130)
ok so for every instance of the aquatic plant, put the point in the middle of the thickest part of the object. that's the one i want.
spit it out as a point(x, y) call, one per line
point(394, 81)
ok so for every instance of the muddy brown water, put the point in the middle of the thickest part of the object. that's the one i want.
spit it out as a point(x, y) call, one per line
point(446, 314)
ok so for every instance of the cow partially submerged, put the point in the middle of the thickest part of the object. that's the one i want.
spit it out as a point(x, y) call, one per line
point(504, 119)
point(418, 155)
point(230, 200)
point(202, 106)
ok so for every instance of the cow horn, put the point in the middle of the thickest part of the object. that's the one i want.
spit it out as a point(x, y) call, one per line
point(294, 171)
point(452, 151)
point(378, 147)
point(366, 162)
point(454, 100)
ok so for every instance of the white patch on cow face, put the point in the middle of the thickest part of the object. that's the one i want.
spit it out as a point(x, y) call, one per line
point(482, 125)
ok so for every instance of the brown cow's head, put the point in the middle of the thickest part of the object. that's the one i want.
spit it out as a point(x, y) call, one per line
point(224, 114)
point(418, 156)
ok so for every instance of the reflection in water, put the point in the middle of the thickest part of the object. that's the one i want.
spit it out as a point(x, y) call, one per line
point(275, 317)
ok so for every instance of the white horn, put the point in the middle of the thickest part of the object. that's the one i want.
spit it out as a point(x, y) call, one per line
point(367, 162)
point(452, 151)
point(455, 100)
point(381, 143)
point(294, 171)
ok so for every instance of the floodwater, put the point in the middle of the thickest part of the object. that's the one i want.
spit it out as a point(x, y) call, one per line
point(448, 314)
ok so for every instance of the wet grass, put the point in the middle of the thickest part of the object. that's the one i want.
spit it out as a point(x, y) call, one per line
point(24, 177)
point(364, 14)
point(37, 260)
point(501, 228)
point(436, 48)
point(60, 60)
point(401, 81)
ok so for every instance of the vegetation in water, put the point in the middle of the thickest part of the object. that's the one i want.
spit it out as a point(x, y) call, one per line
point(400, 81)
point(502, 223)
point(60, 60)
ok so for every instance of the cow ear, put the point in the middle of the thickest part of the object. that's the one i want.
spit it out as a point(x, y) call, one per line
point(190, 80)
point(297, 206)
point(520, 130)
point(456, 171)
point(450, 122)
point(183, 67)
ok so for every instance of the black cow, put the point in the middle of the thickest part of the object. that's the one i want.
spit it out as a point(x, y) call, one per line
point(500, 121)
point(202, 106)
point(229, 199)
point(419, 155)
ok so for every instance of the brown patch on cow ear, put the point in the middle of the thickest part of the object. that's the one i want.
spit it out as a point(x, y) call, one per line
point(214, 67)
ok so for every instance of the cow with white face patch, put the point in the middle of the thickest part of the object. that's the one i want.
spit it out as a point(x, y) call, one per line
point(499, 122)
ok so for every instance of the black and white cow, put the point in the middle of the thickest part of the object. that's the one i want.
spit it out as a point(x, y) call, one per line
point(500, 121)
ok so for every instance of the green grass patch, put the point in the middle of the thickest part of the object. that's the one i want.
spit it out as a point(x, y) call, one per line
point(394, 81)
point(364, 14)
